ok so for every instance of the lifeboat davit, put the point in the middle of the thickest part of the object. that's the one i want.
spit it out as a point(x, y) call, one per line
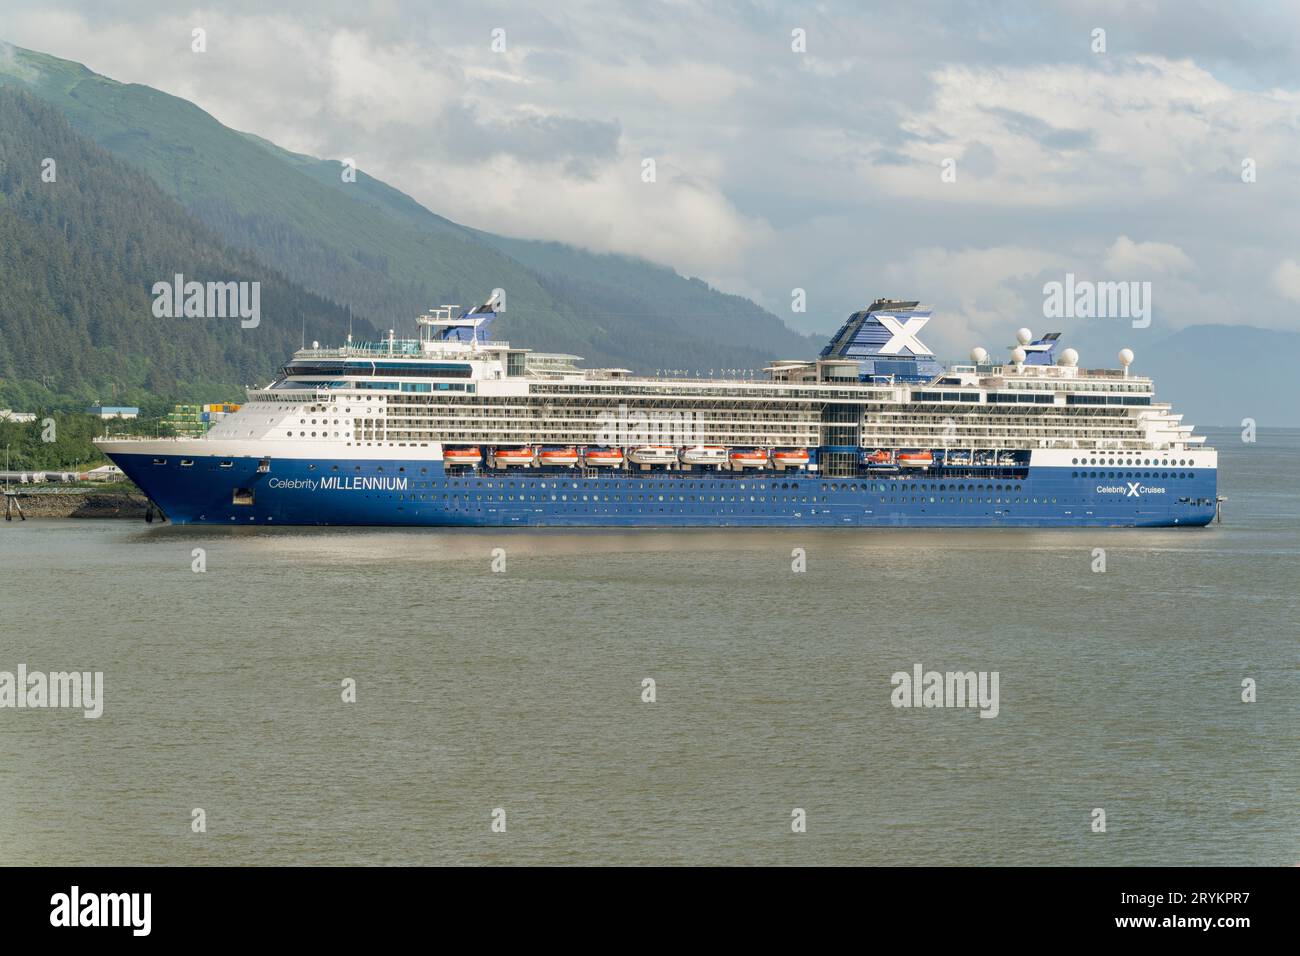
point(748, 459)
point(462, 456)
point(514, 456)
point(879, 457)
point(791, 457)
point(653, 455)
point(603, 457)
point(704, 455)
point(915, 459)
point(558, 456)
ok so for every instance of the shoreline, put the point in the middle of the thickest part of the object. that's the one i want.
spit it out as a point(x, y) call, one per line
point(75, 503)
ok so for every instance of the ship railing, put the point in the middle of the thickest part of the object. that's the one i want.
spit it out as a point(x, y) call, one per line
point(401, 348)
point(1059, 372)
point(142, 437)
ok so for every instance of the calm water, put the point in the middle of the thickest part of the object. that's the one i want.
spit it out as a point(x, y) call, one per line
point(522, 690)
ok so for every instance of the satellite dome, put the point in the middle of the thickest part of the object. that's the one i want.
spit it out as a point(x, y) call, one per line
point(978, 355)
point(1069, 357)
point(1126, 357)
point(1024, 336)
point(1018, 355)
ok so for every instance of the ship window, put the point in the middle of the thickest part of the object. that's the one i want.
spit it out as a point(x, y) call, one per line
point(227, 464)
point(187, 462)
point(242, 496)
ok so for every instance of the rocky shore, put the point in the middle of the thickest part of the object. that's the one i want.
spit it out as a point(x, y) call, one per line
point(76, 504)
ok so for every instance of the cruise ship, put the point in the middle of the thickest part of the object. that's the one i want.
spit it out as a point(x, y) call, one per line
point(454, 428)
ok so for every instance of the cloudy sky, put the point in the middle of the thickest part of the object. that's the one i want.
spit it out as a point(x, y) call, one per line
point(778, 169)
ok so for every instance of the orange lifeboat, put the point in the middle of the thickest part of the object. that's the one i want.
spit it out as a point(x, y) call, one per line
point(915, 459)
point(791, 458)
point(879, 457)
point(558, 456)
point(748, 459)
point(462, 456)
point(514, 456)
point(603, 457)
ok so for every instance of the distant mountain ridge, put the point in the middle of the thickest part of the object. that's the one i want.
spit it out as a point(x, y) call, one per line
point(1213, 374)
point(377, 251)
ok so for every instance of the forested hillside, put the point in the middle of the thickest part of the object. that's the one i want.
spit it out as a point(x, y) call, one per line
point(376, 250)
point(78, 260)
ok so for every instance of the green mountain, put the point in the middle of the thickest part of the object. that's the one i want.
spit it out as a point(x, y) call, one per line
point(80, 253)
point(375, 250)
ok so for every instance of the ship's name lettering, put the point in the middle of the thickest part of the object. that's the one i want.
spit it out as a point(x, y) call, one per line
point(340, 483)
point(1130, 489)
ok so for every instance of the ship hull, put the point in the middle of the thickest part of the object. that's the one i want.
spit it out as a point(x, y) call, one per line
point(241, 490)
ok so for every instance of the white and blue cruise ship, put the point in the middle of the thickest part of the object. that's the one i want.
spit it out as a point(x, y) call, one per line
point(456, 429)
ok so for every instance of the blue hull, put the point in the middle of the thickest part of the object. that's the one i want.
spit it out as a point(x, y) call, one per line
point(413, 493)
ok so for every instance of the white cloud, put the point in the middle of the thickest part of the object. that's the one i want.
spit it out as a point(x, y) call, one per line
point(1069, 135)
point(686, 85)
point(673, 220)
point(1128, 259)
point(1286, 279)
point(374, 86)
point(983, 294)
